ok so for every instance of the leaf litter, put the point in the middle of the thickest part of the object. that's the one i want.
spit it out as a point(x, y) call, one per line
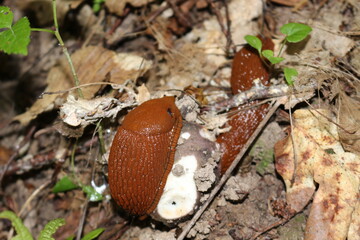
point(319, 175)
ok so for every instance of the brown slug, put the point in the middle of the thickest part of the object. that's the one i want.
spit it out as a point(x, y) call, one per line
point(247, 66)
point(142, 155)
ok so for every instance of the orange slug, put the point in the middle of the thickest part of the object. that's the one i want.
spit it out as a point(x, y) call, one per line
point(142, 155)
point(247, 66)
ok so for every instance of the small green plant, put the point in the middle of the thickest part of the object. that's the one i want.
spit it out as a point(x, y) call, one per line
point(294, 32)
point(97, 5)
point(66, 184)
point(15, 38)
point(46, 234)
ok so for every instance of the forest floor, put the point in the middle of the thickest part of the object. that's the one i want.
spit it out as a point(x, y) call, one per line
point(161, 46)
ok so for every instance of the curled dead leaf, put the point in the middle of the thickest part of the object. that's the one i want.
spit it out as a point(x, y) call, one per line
point(93, 65)
point(318, 158)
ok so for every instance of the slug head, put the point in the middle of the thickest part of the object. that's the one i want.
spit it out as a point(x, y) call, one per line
point(155, 116)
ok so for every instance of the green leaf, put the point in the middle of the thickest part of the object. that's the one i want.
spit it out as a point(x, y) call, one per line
point(269, 54)
point(295, 32)
point(50, 228)
point(97, 5)
point(255, 42)
point(6, 17)
point(22, 232)
point(92, 194)
point(65, 184)
point(289, 74)
point(15, 38)
point(330, 151)
point(93, 234)
point(70, 238)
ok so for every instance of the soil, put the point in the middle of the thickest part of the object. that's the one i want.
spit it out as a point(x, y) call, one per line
point(166, 48)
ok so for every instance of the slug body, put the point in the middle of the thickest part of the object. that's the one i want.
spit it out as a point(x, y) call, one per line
point(247, 66)
point(142, 155)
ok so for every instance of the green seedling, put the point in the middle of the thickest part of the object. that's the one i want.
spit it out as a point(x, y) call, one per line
point(50, 228)
point(97, 5)
point(294, 32)
point(15, 37)
point(66, 184)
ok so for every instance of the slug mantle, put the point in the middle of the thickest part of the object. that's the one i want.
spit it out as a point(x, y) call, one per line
point(142, 155)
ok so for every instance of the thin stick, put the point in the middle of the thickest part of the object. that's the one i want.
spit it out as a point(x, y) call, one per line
point(32, 196)
point(65, 51)
point(12, 158)
point(82, 221)
point(228, 172)
point(268, 228)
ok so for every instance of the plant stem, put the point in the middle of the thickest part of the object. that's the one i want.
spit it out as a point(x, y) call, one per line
point(101, 137)
point(282, 46)
point(65, 51)
point(42, 30)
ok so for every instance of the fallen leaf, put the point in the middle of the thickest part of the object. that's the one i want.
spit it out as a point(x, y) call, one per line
point(349, 119)
point(319, 158)
point(93, 64)
point(117, 7)
point(57, 81)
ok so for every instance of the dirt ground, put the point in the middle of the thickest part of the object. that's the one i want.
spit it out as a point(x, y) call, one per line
point(144, 49)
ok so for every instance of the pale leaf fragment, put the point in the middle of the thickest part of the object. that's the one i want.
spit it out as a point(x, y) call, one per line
point(349, 119)
point(318, 157)
point(76, 112)
point(117, 7)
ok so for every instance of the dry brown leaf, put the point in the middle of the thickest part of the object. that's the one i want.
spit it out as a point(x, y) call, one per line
point(57, 81)
point(319, 158)
point(117, 7)
point(42, 10)
point(93, 64)
point(349, 119)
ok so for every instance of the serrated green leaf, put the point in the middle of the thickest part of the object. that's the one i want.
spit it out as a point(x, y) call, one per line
point(6, 17)
point(295, 32)
point(65, 184)
point(255, 42)
point(289, 74)
point(22, 232)
point(93, 234)
point(50, 228)
point(16, 39)
point(269, 54)
point(92, 194)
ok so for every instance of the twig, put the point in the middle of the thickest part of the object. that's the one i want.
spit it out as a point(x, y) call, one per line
point(257, 92)
point(82, 221)
point(268, 228)
point(183, 20)
point(228, 172)
point(32, 196)
point(85, 207)
point(12, 158)
point(226, 30)
point(36, 162)
point(65, 51)
point(114, 85)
